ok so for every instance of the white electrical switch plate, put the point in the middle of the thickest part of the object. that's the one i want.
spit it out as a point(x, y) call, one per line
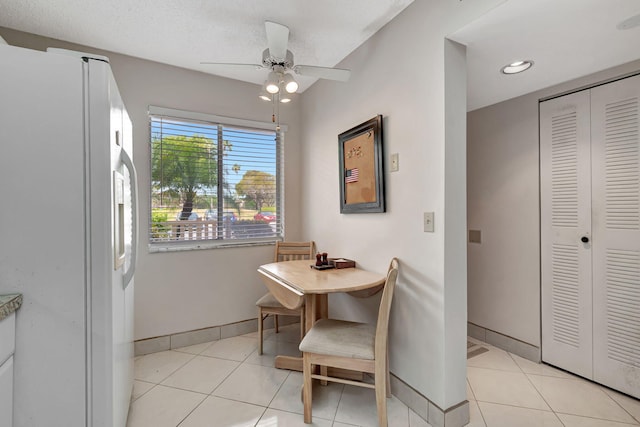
point(395, 166)
point(428, 222)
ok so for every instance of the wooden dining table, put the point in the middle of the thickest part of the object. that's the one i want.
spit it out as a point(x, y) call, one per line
point(294, 283)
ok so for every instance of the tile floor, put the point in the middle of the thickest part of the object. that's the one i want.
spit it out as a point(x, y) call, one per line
point(226, 383)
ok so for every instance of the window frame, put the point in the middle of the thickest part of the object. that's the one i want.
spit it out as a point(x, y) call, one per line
point(215, 120)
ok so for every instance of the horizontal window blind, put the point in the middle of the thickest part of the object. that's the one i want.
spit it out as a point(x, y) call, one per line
point(213, 181)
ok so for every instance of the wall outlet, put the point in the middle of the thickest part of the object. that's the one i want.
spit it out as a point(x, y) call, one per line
point(394, 164)
point(428, 222)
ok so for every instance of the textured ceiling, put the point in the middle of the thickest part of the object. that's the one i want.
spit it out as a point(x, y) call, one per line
point(186, 32)
point(566, 39)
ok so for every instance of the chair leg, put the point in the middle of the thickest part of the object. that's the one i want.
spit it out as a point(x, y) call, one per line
point(260, 330)
point(275, 320)
point(306, 387)
point(388, 375)
point(381, 386)
point(381, 402)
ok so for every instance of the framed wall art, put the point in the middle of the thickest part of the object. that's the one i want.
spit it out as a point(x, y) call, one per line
point(361, 170)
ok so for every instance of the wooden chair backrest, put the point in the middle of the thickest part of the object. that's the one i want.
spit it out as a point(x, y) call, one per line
point(293, 251)
point(393, 264)
point(382, 328)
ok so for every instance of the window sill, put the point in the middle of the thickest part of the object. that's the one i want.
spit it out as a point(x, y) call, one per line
point(204, 245)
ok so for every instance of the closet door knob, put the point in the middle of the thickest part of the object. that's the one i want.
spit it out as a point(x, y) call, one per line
point(584, 239)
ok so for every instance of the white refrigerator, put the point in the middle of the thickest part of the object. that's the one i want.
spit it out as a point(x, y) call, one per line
point(68, 237)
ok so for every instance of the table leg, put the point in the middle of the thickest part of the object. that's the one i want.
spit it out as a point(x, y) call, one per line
point(323, 313)
point(312, 310)
point(323, 306)
point(289, 362)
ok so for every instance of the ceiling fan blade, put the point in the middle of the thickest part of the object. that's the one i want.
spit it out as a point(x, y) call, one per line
point(338, 74)
point(222, 67)
point(277, 39)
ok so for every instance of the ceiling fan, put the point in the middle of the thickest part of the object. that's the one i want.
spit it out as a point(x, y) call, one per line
point(279, 60)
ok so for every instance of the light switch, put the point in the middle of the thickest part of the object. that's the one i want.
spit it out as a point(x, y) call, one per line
point(394, 164)
point(428, 222)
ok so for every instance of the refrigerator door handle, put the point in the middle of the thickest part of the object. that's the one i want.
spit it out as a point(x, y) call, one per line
point(126, 160)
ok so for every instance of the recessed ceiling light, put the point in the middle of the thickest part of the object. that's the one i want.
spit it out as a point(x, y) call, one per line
point(516, 67)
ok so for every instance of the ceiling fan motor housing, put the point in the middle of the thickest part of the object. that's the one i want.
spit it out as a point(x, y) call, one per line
point(271, 62)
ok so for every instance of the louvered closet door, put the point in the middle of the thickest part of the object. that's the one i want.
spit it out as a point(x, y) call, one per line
point(615, 127)
point(565, 185)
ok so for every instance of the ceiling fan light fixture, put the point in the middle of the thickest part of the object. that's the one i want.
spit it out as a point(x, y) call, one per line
point(264, 95)
point(272, 84)
point(290, 84)
point(516, 67)
point(284, 97)
point(272, 88)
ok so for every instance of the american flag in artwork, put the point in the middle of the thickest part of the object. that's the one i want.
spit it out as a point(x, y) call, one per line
point(351, 175)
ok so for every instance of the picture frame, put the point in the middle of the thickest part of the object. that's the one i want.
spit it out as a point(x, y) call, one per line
point(361, 168)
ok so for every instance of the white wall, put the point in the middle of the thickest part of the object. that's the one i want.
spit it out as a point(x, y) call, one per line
point(503, 202)
point(182, 291)
point(400, 73)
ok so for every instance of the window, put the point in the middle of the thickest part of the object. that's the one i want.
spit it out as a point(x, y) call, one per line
point(214, 180)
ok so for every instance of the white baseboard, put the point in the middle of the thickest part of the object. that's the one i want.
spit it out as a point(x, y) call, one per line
point(199, 336)
point(456, 416)
point(504, 342)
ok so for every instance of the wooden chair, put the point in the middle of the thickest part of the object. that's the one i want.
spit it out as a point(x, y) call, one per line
point(268, 304)
point(350, 345)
